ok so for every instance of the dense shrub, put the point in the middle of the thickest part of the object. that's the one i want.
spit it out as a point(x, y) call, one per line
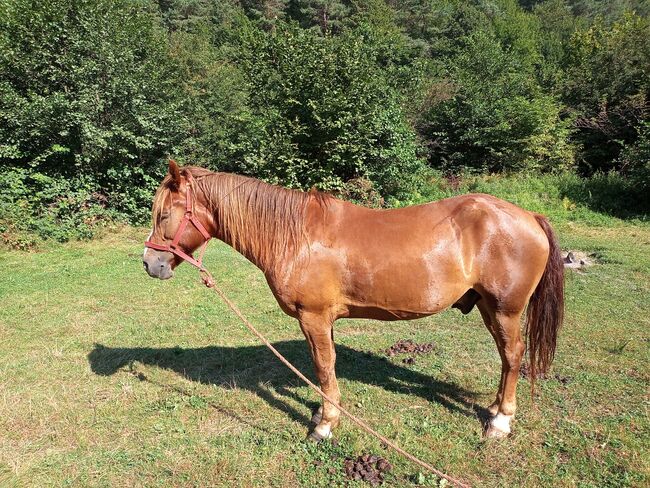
point(494, 115)
point(325, 111)
point(88, 105)
point(34, 204)
point(85, 85)
point(607, 88)
point(634, 161)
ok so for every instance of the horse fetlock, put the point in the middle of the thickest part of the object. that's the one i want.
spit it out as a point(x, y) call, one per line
point(334, 420)
point(507, 409)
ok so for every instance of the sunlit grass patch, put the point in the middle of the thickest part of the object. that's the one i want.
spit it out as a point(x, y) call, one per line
point(111, 378)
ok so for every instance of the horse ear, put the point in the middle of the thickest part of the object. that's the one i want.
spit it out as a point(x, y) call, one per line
point(175, 173)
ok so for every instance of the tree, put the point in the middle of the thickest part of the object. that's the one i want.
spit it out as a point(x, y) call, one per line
point(88, 90)
point(607, 88)
point(327, 111)
point(326, 15)
point(487, 112)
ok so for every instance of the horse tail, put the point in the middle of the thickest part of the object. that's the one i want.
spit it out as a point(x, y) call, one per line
point(545, 311)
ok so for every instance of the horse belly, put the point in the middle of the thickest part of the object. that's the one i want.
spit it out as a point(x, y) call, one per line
point(407, 289)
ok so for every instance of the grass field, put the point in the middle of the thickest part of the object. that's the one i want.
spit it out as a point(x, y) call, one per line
point(111, 378)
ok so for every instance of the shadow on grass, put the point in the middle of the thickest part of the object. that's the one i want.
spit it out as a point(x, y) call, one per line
point(254, 367)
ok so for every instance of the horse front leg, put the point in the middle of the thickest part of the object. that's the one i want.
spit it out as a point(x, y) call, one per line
point(320, 337)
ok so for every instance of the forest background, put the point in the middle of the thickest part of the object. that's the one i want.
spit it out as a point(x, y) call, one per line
point(383, 102)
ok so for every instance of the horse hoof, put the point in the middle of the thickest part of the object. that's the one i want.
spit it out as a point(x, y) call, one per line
point(494, 433)
point(314, 437)
point(318, 438)
point(499, 426)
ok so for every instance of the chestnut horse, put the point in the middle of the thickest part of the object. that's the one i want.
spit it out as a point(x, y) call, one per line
point(325, 259)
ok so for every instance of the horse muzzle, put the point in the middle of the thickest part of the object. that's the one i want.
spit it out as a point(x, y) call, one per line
point(158, 265)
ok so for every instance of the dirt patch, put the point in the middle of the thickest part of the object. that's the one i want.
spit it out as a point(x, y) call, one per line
point(565, 380)
point(524, 372)
point(407, 346)
point(368, 468)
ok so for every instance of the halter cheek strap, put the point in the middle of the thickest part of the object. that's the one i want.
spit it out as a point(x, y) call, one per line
point(188, 218)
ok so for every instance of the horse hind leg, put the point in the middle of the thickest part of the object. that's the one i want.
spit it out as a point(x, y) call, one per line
point(487, 315)
point(505, 328)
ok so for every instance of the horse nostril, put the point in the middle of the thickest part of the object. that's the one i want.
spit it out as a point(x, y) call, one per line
point(146, 265)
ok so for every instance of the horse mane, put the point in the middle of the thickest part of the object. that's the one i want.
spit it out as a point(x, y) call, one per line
point(263, 222)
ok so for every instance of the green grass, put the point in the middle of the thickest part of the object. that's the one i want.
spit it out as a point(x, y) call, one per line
point(110, 378)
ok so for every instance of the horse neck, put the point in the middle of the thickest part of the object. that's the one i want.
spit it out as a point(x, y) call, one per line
point(262, 222)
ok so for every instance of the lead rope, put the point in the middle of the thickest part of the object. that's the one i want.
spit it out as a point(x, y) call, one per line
point(208, 281)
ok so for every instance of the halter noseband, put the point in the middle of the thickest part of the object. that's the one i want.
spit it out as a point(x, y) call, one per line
point(187, 218)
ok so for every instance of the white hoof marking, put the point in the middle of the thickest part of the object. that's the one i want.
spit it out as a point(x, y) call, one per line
point(324, 431)
point(501, 422)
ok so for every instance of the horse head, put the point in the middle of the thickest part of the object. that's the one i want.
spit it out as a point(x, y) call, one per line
point(181, 223)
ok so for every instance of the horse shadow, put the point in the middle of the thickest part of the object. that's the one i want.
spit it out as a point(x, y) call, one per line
point(254, 368)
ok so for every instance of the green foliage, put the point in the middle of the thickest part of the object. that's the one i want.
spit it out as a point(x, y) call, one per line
point(33, 203)
point(325, 111)
point(634, 159)
point(84, 85)
point(360, 98)
point(325, 15)
point(493, 116)
point(596, 201)
point(221, 128)
point(437, 27)
point(88, 105)
point(184, 15)
point(607, 87)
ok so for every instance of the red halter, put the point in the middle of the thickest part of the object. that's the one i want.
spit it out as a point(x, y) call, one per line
point(187, 218)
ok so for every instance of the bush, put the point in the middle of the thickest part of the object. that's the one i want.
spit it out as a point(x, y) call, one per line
point(607, 89)
point(88, 106)
point(34, 204)
point(325, 110)
point(494, 117)
point(634, 161)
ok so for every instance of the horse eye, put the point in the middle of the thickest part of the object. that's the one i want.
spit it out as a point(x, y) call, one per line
point(164, 217)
